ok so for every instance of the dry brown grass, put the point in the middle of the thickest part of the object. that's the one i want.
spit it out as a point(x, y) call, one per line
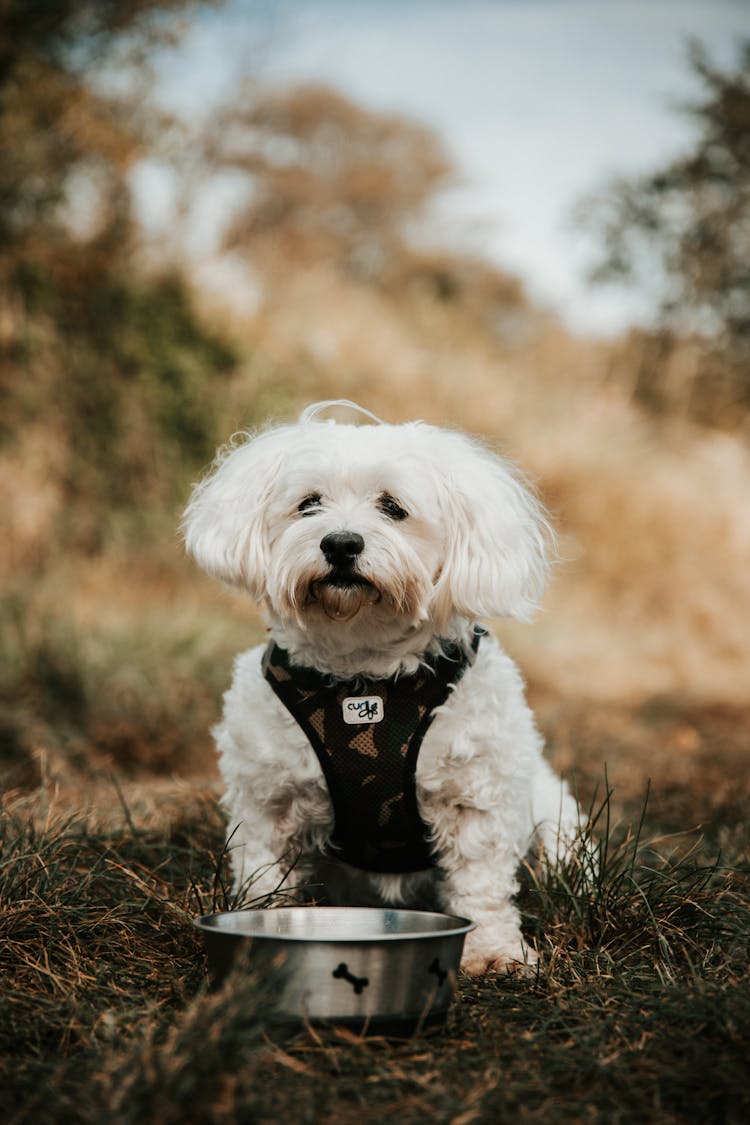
point(639, 1011)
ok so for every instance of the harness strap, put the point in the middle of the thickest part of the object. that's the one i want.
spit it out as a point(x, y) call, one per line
point(367, 735)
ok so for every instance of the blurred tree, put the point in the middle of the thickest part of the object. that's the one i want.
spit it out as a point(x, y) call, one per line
point(330, 180)
point(110, 360)
point(56, 125)
point(688, 224)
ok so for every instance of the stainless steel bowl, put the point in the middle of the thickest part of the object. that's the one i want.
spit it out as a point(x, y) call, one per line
point(380, 971)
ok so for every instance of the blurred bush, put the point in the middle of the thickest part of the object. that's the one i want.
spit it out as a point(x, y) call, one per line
point(332, 183)
point(112, 364)
point(108, 400)
point(331, 180)
point(688, 225)
point(122, 370)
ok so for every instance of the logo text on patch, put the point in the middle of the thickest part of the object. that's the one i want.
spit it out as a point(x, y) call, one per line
point(363, 709)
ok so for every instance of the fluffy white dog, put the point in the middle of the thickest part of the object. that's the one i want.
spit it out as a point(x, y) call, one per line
point(381, 742)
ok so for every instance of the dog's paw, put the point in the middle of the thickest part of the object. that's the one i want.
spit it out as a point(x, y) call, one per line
point(482, 956)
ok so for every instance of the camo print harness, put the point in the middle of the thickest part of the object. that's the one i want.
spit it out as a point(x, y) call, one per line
point(367, 735)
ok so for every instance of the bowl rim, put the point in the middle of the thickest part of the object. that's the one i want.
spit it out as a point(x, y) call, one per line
point(461, 926)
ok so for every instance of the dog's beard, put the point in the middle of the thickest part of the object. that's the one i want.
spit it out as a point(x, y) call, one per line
point(391, 592)
point(341, 598)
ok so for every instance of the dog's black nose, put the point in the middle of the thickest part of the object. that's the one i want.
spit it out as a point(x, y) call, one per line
point(342, 547)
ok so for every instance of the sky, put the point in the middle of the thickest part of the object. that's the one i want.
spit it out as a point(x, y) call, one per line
point(538, 102)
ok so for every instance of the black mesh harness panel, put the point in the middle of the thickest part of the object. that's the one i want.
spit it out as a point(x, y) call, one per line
point(367, 735)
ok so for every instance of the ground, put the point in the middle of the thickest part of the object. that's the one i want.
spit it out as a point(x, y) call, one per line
point(640, 1010)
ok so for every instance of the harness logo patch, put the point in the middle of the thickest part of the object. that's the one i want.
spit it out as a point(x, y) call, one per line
point(363, 709)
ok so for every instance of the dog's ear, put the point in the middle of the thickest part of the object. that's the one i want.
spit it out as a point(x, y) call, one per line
point(497, 536)
point(225, 522)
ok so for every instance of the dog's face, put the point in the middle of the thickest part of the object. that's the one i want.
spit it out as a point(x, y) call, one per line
point(372, 528)
point(353, 528)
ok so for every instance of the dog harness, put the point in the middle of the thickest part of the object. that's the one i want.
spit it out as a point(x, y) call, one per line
point(367, 735)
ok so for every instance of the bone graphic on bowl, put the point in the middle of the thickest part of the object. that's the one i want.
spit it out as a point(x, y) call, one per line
point(439, 972)
point(357, 983)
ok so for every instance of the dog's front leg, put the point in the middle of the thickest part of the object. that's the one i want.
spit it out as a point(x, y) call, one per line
point(259, 857)
point(275, 800)
point(265, 842)
point(479, 880)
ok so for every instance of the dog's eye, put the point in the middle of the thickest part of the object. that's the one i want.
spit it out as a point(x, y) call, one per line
point(309, 505)
point(389, 507)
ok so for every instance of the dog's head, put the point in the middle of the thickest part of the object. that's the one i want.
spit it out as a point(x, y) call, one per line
point(375, 526)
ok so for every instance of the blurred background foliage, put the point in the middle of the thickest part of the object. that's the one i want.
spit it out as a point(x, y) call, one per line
point(688, 225)
point(120, 374)
point(112, 363)
point(332, 181)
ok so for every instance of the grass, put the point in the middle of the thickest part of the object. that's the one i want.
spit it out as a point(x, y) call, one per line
point(640, 1010)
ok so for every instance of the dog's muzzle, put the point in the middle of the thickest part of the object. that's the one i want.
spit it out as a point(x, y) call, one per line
point(343, 591)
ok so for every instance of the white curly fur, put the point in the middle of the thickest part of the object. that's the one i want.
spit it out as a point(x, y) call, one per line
point(471, 545)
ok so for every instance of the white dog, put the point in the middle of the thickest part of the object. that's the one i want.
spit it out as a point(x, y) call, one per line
point(381, 741)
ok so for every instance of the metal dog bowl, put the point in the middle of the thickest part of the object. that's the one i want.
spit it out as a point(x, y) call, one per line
point(380, 971)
